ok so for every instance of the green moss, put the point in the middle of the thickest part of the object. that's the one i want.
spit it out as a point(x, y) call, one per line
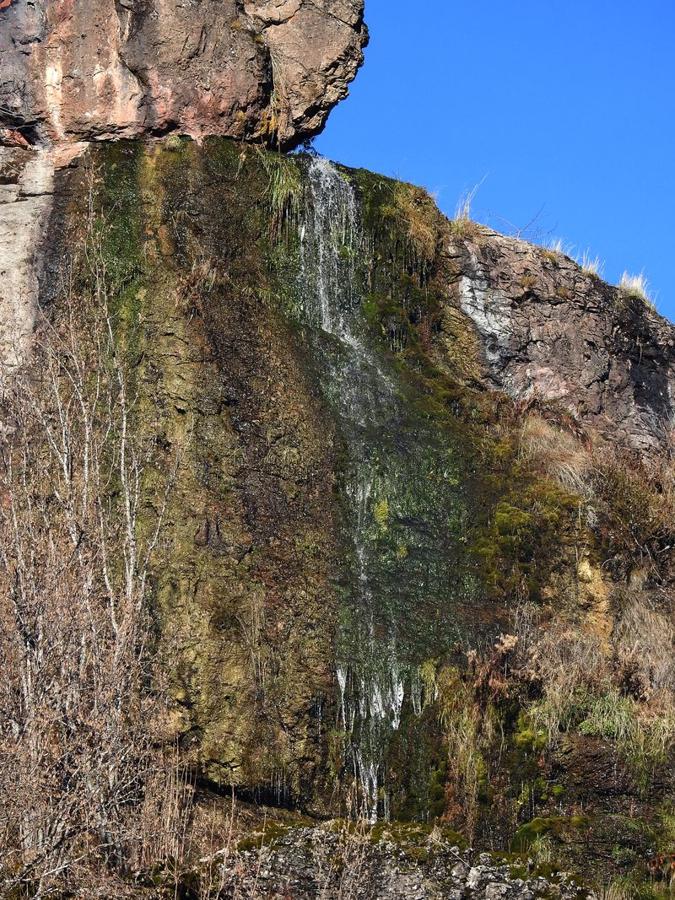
point(175, 142)
point(381, 514)
point(414, 836)
point(283, 192)
point(267, 836)
point(119, 237)
point(527, 737)
point(528, 532)
point(183, 279)
point(258, 529)
point(529, 520)
point(552, 826)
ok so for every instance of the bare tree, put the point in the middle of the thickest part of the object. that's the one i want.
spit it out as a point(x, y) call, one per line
point(80, 741)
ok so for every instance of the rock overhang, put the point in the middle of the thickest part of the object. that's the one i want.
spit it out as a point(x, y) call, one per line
point(262, 71)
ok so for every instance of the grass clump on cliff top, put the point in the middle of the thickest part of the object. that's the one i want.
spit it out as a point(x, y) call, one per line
point(462, 225)
point(403, 216)
point(418, 211)
point(591, 265)
point(636, 287)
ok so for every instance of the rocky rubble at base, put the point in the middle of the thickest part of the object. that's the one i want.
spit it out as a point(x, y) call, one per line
point(320, 862)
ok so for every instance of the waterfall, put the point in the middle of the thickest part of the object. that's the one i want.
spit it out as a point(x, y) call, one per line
point(364, 397)
point(394, 488)
point(329, 241)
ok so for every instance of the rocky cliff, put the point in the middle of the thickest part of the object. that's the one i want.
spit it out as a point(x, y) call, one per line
point(316, 501)
point(399, 565)
point(120, 68)
point(551, 330)
point(73, 72)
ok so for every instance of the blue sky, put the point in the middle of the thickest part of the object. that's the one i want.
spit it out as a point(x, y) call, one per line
point(563, 110)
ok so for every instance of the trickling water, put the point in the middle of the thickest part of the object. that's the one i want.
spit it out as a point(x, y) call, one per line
point(399, 484)
point(328, 252)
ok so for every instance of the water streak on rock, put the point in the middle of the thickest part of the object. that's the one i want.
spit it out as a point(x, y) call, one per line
point(399, 489)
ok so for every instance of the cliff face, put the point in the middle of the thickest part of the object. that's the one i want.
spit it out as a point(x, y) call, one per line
point(377, 556)
point(551, 330)
point(75, 72)
point(398, 491)
point(93, 71)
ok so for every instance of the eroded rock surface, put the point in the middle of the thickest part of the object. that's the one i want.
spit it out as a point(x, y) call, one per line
point(26, 190)
point(72, 72)
point(321, 396)
point(272, 71)
point(549, 330)
point(320, 861)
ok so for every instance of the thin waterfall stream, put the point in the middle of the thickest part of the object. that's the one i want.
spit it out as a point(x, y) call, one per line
point(401, 491)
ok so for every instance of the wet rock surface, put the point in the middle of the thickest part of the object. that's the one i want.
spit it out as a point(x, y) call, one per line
point(265, 368)
point(270, 71)
point(318, 563)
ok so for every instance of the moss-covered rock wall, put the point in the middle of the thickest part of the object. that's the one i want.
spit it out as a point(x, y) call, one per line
point(374, 576)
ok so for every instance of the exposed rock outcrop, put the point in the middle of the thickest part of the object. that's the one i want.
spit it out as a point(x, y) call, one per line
point(73, 71)
point(398, 563)
point(314, 862)
point(270, 71)
point(548, 329)
point(26, 189)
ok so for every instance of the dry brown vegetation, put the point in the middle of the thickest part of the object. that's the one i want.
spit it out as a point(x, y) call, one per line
point(644, 638)
point(593, 654)
point(96, 798)
point(556, 453)
point(86, 783)
point(417, 210)
point(615, 678)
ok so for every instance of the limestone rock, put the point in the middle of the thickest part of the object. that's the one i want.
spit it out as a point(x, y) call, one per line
point(26, 189)
point(309, 862)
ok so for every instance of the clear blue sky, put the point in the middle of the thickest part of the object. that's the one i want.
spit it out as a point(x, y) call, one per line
point(566, 109)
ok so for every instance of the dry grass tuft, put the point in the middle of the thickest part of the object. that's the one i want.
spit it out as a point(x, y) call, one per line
point(417, 210)
point(615, 891)
point(636, 286)
point(644, 641)
point(469, 731)
point(463, 225)
point(556, 453)
point(557, 245)
point(592, 265)
point(587, 690)
point(567, 663)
